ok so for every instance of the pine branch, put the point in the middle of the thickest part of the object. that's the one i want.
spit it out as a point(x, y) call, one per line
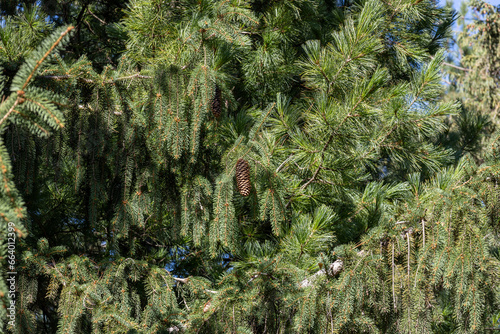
point(333, 134)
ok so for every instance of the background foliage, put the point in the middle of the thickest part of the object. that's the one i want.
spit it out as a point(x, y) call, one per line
point(371, 199)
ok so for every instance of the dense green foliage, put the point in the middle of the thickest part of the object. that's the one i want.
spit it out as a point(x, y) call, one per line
point(371, 203)
point(474, 82)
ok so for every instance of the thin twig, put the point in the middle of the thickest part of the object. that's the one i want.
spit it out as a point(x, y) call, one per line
point(455, 66)
point(100, 20)
point(393, 292)
point(423, 232)
point(408, 239)
point(185, 280)
point(86, 80)
point(283, 163)
point(10, 111)
point(62, 77)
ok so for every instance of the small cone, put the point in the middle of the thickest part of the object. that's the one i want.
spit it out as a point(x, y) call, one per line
point(243, 177)
point(216, 104)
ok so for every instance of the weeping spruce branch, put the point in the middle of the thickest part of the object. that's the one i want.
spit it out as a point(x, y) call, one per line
point(31, 107)
point(246, 167)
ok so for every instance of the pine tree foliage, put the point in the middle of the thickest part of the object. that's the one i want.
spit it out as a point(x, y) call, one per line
point(474, 79)
point(248, 167)
point(21, 34)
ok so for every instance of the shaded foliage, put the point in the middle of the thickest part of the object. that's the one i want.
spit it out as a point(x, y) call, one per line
point(253, 167)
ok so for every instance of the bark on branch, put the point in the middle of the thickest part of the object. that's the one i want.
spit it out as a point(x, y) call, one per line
point(332, 270)
point(185, 280)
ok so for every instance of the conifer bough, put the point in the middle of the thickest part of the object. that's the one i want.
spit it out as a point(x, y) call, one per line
point(243, 177)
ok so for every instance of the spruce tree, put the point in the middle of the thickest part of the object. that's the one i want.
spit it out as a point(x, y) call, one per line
point(472, 74)
point(246, 167)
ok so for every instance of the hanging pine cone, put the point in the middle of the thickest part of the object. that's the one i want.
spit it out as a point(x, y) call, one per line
point(243, 177)
point(216, 102)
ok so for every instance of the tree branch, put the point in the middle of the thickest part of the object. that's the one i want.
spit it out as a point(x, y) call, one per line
point(333, 269)
point(185, 280)
point(455, 66)
point(86, 80)
point(10, 111)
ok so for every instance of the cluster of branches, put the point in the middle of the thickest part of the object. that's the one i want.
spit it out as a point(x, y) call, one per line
point(245, 167)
